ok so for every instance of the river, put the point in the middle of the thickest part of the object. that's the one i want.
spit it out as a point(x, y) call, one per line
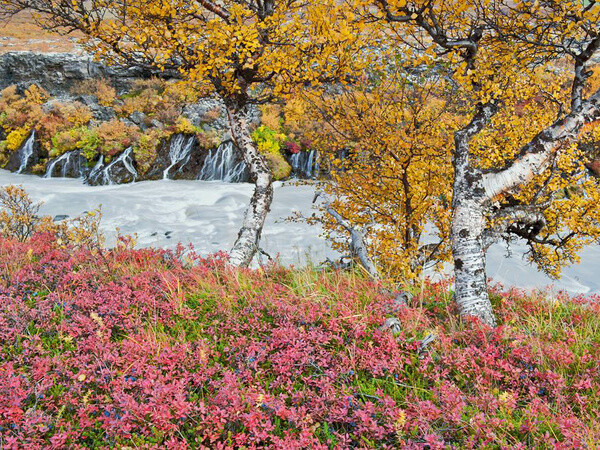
point(209, 213)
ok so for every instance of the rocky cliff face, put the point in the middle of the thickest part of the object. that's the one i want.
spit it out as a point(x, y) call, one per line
point(58, 72)
point(181, 155)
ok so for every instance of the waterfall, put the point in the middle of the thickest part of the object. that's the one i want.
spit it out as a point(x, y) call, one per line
point(26, 152)
point(180, 150)
point(222, 164)
point(125, 158)
point(97, 170)
point(305, 164)
point(61, 159)
point(70, 160)
point(104, 175)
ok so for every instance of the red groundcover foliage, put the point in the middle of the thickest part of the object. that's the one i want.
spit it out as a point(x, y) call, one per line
point(134, 348)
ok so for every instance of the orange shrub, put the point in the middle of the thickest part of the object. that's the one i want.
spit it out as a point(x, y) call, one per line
point(20, 111)
point(100, 88)
point(62, 117)
point(115, 136)
point(156, 99)
point(211, 115)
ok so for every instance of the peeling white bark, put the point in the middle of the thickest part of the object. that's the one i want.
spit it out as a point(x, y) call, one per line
point(468, 225)
point(246, 245)
point(521, 172)
point(471, 292)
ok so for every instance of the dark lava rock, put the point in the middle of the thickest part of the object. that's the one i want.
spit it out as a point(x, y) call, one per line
point(100, 113)
point(121, 170)
point(58, 72)
point(182, 155)
point(70, 165)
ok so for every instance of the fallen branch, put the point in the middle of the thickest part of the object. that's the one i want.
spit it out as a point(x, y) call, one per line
point(358, 246)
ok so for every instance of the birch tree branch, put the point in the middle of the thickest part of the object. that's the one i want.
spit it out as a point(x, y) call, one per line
point(525, 221)
point(536, 156)
point(357, 239)
point(582, 73)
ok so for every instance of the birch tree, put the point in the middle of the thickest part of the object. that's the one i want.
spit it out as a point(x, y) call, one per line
point(388, 141)
point(523, 68)
point(248, 52)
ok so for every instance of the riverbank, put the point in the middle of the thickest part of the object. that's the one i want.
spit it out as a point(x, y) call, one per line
point(208, 214)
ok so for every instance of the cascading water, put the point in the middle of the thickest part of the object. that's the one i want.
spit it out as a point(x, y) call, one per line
point(222, 164)
point(26, 152)
point(121, 170)
point(305, 164)
point(126, 159)
point(62, 159)
point(97, 170)
point(180, 151)
point(69, 163)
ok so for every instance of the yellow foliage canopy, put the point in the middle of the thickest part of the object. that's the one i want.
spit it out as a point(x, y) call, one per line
point(389, 145)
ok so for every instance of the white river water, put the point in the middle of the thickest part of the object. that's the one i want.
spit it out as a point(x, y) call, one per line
point(209, 213)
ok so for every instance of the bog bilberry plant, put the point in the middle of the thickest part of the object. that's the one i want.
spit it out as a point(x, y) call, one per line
point(146, 350)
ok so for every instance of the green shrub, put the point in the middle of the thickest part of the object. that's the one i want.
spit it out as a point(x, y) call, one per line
point(89, 143)
point(83, 138)
point(4, 154)
point(268, 140)
point(146, 149)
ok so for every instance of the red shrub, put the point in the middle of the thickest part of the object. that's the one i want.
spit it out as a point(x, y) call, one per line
point(135, 347)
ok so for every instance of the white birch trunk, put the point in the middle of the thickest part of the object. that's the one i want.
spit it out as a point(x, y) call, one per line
point(246, 245)
point(471, 290)
point(474, 190)
point(468, 225)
